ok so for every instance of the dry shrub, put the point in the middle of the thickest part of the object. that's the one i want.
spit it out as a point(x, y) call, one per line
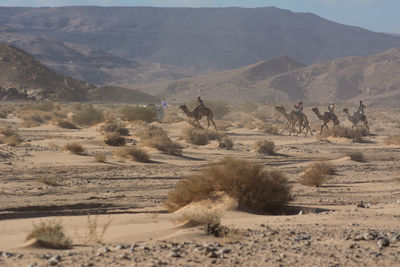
point(199, 136)
point(226, 142)
point(100, 157)
point(356, 134)
point(316, 173)
point(95, 232)
point(265, 147)
point(88, 116)
point(156, 137)
point(269, 128)
point(48, 180)
point(31, 119)
point(139, 113)
point(393, 140)
point(50, 235)
point(356, 156)
point(247, 182)
point(114, 139)
point(200, 216)
point(132, 153)
point(10, 136)
point(45, 105)
point(75, 148)
point(66, 124)
point(3, 114)
point(113, 127)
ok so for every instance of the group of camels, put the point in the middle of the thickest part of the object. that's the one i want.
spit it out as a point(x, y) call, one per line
point(292, 119)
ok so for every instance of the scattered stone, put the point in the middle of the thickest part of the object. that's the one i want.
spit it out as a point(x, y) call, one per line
point(369, 236)
point(7, 255)
point(119, 247)
point(396, 238)
point(382, 242)
point(104, 250)
point(360, 204)
point(175, 254)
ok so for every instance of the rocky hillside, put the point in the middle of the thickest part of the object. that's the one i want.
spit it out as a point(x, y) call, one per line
point(24, 77)
point(205, 39)
point(375, 77)
point(88, 64)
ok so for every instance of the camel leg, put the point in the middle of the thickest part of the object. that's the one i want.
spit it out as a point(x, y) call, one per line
point(215, 127)
point(284, 128)
point(366, 124)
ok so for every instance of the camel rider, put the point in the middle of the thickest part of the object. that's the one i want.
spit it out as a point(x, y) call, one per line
point(299, 107)
point(331, 108)
point(361, 108)
point(199, 102)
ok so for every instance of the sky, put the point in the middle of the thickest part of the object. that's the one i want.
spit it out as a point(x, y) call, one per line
point(375, 15)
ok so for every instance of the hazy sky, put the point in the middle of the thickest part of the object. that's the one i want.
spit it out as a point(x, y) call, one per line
point(376, 15)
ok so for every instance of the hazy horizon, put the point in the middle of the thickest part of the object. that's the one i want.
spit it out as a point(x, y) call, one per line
point(375, 15)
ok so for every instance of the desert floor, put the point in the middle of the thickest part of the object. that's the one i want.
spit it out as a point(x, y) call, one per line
point(324, 226)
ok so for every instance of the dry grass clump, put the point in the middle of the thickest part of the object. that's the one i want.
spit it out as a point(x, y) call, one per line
point(114, 139)
point(50, 235)
point(225, 142)
point(265, 147)
point(247, 182)
point(139, 113)
point(45, 105)
point(156, 137)
point(132, 153)
point(88, 116)
point(269, 128)
point(200, 216)
point(3, 114)
point(100, 157)
point(356, 134)
point(356, 156)
point(66, 124)
point(113, 127)
point(393, 140)
point(199, 136)
point(75, 148)
point(10, 136)
point(30, 119)
point(316, 173)
point(48, 180)
point(95, 232)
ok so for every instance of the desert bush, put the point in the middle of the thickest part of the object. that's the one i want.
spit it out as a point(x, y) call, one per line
point(226, 142)
point(50, 235)
point(113, 127)
point(156, 137)
point(100, 157)
point(245, 181)
point(139, 113)
point(10, 136)
point(199, 136)
point(75, 148)
point(269, 128)
point(356, 156)
point(66, 124)
point(48, 180)
point(265, 147)
point(316, 173)
point(132, 153)
point(392, 140)
point(356, 134)
point(95, 233)
point(45, 105)
point(114, 139)
point(88, 116)
point(200, 216)
point(3, 114)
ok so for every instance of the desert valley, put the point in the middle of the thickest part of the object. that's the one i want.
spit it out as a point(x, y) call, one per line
point(95, 171)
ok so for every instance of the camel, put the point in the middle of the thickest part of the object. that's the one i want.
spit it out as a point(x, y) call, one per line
point(292, 118)
point(356, 118)
point(199, 113)
point(326, 118)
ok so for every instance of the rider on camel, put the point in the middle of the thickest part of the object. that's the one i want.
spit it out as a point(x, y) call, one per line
point(299, 107)
point(361, 108)
point(331, 108)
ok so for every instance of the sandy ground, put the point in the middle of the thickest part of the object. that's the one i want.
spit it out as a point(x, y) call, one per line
point(323, 226)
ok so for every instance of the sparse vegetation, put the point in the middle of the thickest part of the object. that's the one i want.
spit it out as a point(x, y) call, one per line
point(100, 157)
point(88, 116)
point(158, 138)
point(316, 173)
point(45, 105)
point(75, 148)
point(269, 128)
point(356, 156)
point(66, 124)
point(265, 147)
point(113, 127)
point(95, 233)
point(226, 142)
point(356, 134)
point(245, 181)
point(48, 180)
point(132, 153)
point(199, 136)
point(200, 216)
point(50, 235)
point(114, 139)
point(9, 136)
point(139, 113)
point(393, 140)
